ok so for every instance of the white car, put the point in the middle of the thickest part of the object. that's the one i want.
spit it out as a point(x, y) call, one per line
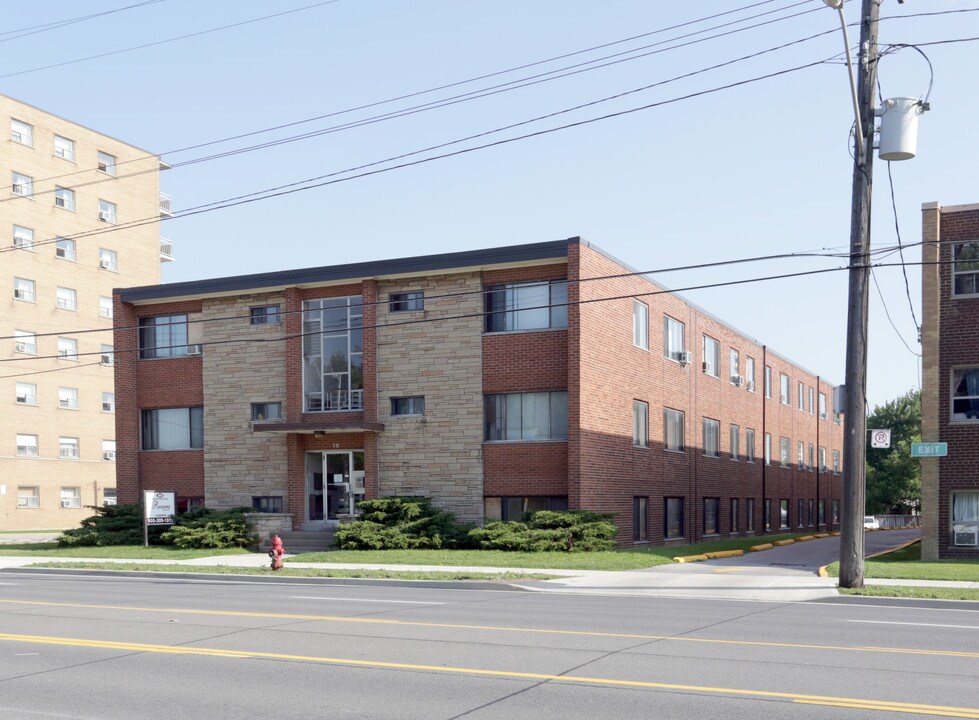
point(870, 523)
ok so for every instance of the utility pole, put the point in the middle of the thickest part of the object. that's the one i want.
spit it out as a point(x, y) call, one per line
point(855, 438)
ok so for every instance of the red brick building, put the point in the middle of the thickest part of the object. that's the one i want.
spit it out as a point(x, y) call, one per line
point(950, 381)
point(494, 381)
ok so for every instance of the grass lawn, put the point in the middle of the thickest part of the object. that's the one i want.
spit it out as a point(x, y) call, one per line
point(128, 552)
point(632, 559)
point(299, 572)
point(928, 593)
point(906, 564)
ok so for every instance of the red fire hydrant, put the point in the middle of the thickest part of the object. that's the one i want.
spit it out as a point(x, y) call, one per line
point(276, 553)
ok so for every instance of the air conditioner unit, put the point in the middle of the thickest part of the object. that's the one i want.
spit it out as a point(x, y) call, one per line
point(193, 349)
point(59, 202)
point(704, 365)
point(965, 536)
point(106, 359)
point(105, 263)
point(105, 216)
point(106, 407)
point(66, 503)
point(63, 303)
point(684, 358)
point(19, 189)
point(105, 312)
point(19, 294)
point(109, 455)
point(20, 347)
point(737, 380)
point(751, 386)
point(60, 252)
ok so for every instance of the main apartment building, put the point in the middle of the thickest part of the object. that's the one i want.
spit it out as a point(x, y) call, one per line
point(77, 212)
point(494, 381)
point(950, 381)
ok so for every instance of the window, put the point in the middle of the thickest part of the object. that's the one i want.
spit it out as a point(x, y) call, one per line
point(965, 518)
point(640, 325)
point(673, 429)
point(64, 148)
point(783, 452)
point(749, 444)
point(108, 260)
point(749, 372)
point(821, 509)
point(108, 402)
point(22, 185)
point(640, 519)
point(108, 449)
point(710, 516)
point(801, 396)
point(640, 423)
point(64, 198)
point(68, 398)
point(267, 411)
point(768, 448)
point(68, 349)
point(965, 394)
point(768, 382)
point(28, 497)
point(783, 514)
point(105, 307)
point(800, 513)
point(712, 437)
point(333, 359)
point(822, 459)
point(109, 496)
point(25, 342)
point(21, 132)
point(68, 448)
point(107, 211)
point(768, 514)
point(735, 442)
point(71, 497)
point(23, 238)
point(811, 462)
point(162, 336)
point(965, 269)
point(673, 347)
point(267, 503)
point(735, 367)
point(712, 356)
point(67, 299)
point(749, 515)
point(783, 388)
point(25, 393)
point(835, 511)
point(800, 454)
point(411, 405)
point(836, 461)
point(812, 401)
point(24, 290)
point(822, 406)
point(265, 315)
point(527, 416)
point(106, 355)
point(515, 508)
point(26, 445)
point(673, 517)
point(812, 512)
point(173, 428)
point(107, 163)
point(735, 519)
point(406, 301)
point(526, 306)
point(64, 249)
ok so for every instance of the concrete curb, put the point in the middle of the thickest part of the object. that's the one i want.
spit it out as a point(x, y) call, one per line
point(763, 546)
point(888, 552)
point(783, 543)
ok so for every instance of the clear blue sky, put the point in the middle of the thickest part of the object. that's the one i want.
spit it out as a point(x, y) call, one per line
point(757, 169)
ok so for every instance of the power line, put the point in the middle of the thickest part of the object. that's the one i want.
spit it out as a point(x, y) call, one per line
point(36, 29)
point(888, 314)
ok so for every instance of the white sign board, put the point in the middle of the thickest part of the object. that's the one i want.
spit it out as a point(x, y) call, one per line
point(160, 507)
point(880, 438)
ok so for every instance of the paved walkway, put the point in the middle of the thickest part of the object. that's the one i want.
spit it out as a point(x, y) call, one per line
point(782, 574)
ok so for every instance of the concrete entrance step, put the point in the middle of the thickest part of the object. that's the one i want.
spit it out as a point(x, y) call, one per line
point(301, 541)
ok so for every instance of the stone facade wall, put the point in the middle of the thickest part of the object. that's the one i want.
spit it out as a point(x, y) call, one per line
point(930, 333)
point(438, 454)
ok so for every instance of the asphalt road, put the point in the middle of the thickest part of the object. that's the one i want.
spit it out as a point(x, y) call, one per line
point(107, 648)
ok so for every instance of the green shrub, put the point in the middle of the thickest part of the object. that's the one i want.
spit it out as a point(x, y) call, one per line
point(399, 523)
point(205, 528)
point(110, 525)
point(548, 531)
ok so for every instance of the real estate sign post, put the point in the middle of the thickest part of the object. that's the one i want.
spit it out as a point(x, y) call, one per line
point(159, 508)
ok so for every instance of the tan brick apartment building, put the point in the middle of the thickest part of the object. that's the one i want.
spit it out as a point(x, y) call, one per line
point(950, 381)
point(67, 194)
point(495, 381)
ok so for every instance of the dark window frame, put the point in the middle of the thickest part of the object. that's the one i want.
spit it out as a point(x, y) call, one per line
point(680, 518)
point(408, 406)
point(409, 301)
point(265, 315)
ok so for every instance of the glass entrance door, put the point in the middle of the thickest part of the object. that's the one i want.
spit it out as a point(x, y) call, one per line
point(315, 507)
point(334, 485)
point(337, 468)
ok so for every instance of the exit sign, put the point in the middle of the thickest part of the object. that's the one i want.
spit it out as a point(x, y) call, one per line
point(936, 449)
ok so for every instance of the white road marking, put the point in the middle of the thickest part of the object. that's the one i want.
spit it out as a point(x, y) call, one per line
point(344, 599)
point(888, 622)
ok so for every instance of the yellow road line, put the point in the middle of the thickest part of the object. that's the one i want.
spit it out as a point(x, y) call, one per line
point(497, 628)
point(882, 705)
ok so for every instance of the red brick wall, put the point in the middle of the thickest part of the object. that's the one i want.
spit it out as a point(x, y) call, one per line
point(525, 469)
point(958, 347)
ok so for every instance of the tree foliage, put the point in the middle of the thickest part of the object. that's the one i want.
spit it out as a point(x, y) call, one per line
point(893, 476)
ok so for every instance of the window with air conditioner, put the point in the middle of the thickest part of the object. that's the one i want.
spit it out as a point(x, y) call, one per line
point(107, 355)
point(25, 393)
point(64, 148)
point(24, 290)
point(106, 163)
point(27, 445)
point(28, 497)
point(21, 132)
point(107, 211)
point(68, 448)
point(711, 356)
point(673, 340)
point(68, 398)
point(822, 406)
point(734, 368)
point(66, 298)
point(965, 268)
point(783, 388)
point(109, 496)
point(163, 336)
point(108, 449)
point(68, 349)
point(108, 402)
point(64, 249)
point(749, 373)
point(22, 185)
point(108, 259)
point(23, 238)
point(105, 307)
point(965, 518)
point(71, 497)
point(64, 198)
point(25, 342)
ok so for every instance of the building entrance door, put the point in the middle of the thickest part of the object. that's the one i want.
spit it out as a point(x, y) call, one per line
point(334, 486)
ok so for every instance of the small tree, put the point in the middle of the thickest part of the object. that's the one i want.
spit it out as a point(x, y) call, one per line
point(893, 476)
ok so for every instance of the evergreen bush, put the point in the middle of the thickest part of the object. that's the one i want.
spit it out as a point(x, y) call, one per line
point(399, 523)
point(549, 531)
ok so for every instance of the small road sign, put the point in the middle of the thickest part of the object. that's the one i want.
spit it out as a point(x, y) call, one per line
point(935, 449)
point(880, 438)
